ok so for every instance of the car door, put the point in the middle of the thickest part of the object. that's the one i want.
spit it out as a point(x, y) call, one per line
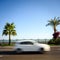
point(28, 46)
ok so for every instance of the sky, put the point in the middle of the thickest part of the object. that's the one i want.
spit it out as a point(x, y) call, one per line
point(30, 17)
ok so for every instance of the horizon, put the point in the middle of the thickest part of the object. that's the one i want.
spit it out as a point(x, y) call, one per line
point(30, 17)
point(15, 40)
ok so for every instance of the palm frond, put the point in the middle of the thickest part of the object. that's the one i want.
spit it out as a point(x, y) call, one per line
point(54, 22)
point(5, 32)
point(9, 28)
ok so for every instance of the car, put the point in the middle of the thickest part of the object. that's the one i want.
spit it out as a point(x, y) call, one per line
point(30, 46)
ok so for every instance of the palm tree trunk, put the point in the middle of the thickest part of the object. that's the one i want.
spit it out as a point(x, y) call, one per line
point(54, 29)
point(9, 38)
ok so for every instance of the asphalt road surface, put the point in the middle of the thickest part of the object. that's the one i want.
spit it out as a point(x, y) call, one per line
point(8, 54)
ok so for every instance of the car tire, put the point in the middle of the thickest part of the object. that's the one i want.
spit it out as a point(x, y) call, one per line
point(41, 50)
point(18, 50)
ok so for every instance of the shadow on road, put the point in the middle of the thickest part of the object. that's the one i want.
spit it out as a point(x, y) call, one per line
point(14, 53)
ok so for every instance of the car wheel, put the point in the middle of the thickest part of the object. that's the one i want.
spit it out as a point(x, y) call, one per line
point(19, 50)
point(41, 50)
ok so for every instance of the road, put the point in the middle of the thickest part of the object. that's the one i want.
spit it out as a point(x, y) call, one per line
point(8, 54)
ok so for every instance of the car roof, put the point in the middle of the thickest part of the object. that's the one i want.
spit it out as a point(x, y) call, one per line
point(26, 40)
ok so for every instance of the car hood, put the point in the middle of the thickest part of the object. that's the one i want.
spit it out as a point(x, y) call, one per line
point(43, 45)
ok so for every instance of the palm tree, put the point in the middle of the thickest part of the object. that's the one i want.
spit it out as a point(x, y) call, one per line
point(54, 22)
point(9, 30)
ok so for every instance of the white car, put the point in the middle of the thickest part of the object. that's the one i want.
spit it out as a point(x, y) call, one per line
point(30, 45)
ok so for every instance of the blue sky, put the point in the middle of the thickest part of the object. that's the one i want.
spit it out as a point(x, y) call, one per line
point(30, 17)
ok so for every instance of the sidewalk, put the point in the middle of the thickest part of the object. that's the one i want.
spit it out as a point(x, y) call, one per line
point(6, 47)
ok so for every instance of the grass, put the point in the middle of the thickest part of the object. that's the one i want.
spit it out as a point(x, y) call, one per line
point(6, 45)
point(53, 45)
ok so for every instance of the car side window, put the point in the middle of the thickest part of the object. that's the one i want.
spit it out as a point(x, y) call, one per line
point(26, 43)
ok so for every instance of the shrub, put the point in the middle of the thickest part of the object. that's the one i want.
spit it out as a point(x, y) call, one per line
point(51, 41)
point(57, 42)
point(54, 41)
